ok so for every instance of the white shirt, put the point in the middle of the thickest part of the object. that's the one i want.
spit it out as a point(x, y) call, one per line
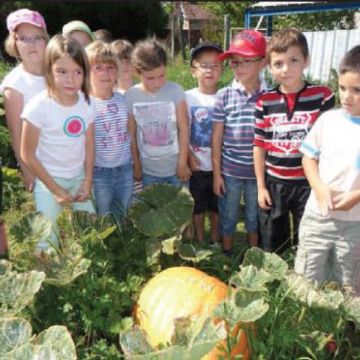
point(61, 147)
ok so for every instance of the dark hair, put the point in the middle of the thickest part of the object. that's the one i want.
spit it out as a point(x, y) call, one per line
point(59, 46)
point(148, 55)
point(282, 40)
point(351, 61)
point(103, 35)
point(202, 48)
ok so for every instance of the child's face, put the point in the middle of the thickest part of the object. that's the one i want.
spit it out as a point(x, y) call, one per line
point(31, 43)
point(207, 69)
point(81, 36)
point(349, 92)
point(68, 79)
point(126, 71)
point(246, 70)
point(153, 80)
point(287, 69)
point(103, 77)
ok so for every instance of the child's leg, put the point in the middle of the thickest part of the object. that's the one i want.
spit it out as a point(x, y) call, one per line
point(229, 210)
point(214, 226)
point(123, 184)
point(3, 239)
point(275, 223)
point(103, 189)
point(346, 255)
point(47, 205)
point(316, 241)
point(251, 211)
point(199, 223)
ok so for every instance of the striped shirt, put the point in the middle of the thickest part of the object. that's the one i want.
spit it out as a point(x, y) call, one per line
point(112, 140)
point(235, 108)
point(280, 131)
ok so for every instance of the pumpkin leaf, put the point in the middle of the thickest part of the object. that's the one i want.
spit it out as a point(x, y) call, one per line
point(251, 278)
point(270, 262)
point(153, 250)
point(134, 341)
point(18, 290)
point(307, 293)
point(14, 332)
point(181, 331)
point(352, 308)
point(170, 246)
point(161, 210)
point(188, 252)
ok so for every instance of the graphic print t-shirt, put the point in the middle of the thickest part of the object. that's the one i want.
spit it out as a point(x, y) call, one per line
point(155, 116)
point(61, 147)
point(200, 109)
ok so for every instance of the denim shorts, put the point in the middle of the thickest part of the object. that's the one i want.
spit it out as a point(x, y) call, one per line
point(113, 188)
point(329, 250)
point(229, 205)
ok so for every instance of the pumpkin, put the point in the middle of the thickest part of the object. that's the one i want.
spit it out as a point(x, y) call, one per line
point(181, 292)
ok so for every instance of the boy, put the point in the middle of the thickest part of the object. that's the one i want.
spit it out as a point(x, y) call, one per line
point(283, 118)
point(329, 245)
point(232, 137)
point(207, 69)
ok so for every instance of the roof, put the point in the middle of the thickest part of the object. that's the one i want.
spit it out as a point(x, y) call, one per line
point(284, 3)
point(193, 12)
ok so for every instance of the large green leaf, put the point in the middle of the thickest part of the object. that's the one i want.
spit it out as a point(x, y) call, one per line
point(307, 293)
point(189, 252)
point(161, 210)
point(17, 290)
point(271, 263)
point(352, 307)
point(14, 332)
point(251, 278)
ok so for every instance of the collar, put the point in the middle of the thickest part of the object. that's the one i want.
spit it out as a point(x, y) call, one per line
point(239, 86)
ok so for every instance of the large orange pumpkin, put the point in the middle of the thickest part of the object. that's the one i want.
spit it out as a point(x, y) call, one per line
point(180, 292)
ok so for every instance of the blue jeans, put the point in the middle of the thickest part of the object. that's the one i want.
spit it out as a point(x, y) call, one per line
point(230, 202)
point(113, 188)
point(151, 179)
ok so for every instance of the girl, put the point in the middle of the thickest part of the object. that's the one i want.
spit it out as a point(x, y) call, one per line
point(57, 137)
point(113, 174)
point(26, 42)
point(158, 119)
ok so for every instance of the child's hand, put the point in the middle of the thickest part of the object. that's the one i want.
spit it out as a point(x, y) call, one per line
point(219, 186)
point(194, 162)
point(324, 198)
point(183, 172)
point(83, 192)
point(137, 172)
point(29, 180)
point(344, 200)
point(264, 199)
point(63, 197)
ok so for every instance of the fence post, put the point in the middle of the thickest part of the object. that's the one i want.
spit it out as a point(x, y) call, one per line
point(226, 31)
point(173, 36)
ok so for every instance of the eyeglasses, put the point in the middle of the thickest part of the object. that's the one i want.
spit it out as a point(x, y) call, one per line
point(99, 68)
point(208, 66)
point(243, 63)
point(36, 39)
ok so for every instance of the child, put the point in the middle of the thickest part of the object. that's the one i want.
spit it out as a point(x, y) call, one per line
point(57, 137)
point(26, 42)
point(233, 136)
point(103, 35)
point(123, 50)
point(113, 174)
point(78, 30)
point(207, 69)
point(284, 116)
point(329, 247)
point(158, 119)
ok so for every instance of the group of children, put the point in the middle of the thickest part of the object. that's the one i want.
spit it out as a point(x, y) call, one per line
point(78, 125)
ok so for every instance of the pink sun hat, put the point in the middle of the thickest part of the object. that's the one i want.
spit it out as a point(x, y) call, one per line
point(25, 16)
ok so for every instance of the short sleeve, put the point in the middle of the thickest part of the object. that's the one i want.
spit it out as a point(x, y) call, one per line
point(129, 100)
point(219, 110)
point(260, 126)
point(311, 145)
point(34, 111)
point(179, 93)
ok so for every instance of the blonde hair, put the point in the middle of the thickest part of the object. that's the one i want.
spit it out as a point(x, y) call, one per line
point(58, 47)
point(123, 49)
point(11, 47)
point(148, 55)
point(100, 52)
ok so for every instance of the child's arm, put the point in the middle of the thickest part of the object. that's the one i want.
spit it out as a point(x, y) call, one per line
point(84, 190)
point(264, 198)
point(134, 149)
point(13, 103)
point(194, 162)
point(183, 172)
point(29, 141)
point(216, 143)
point(321, 190)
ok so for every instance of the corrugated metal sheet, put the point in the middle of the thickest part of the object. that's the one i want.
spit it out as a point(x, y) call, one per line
point(327, 49)
point(284, 3)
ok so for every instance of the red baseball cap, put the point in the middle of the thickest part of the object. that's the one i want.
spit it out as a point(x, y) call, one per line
point(247, 43)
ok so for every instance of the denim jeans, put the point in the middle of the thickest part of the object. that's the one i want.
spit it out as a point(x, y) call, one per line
point(151, 179)
point(113, 188)
point(46, 204)
point(230, 202)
